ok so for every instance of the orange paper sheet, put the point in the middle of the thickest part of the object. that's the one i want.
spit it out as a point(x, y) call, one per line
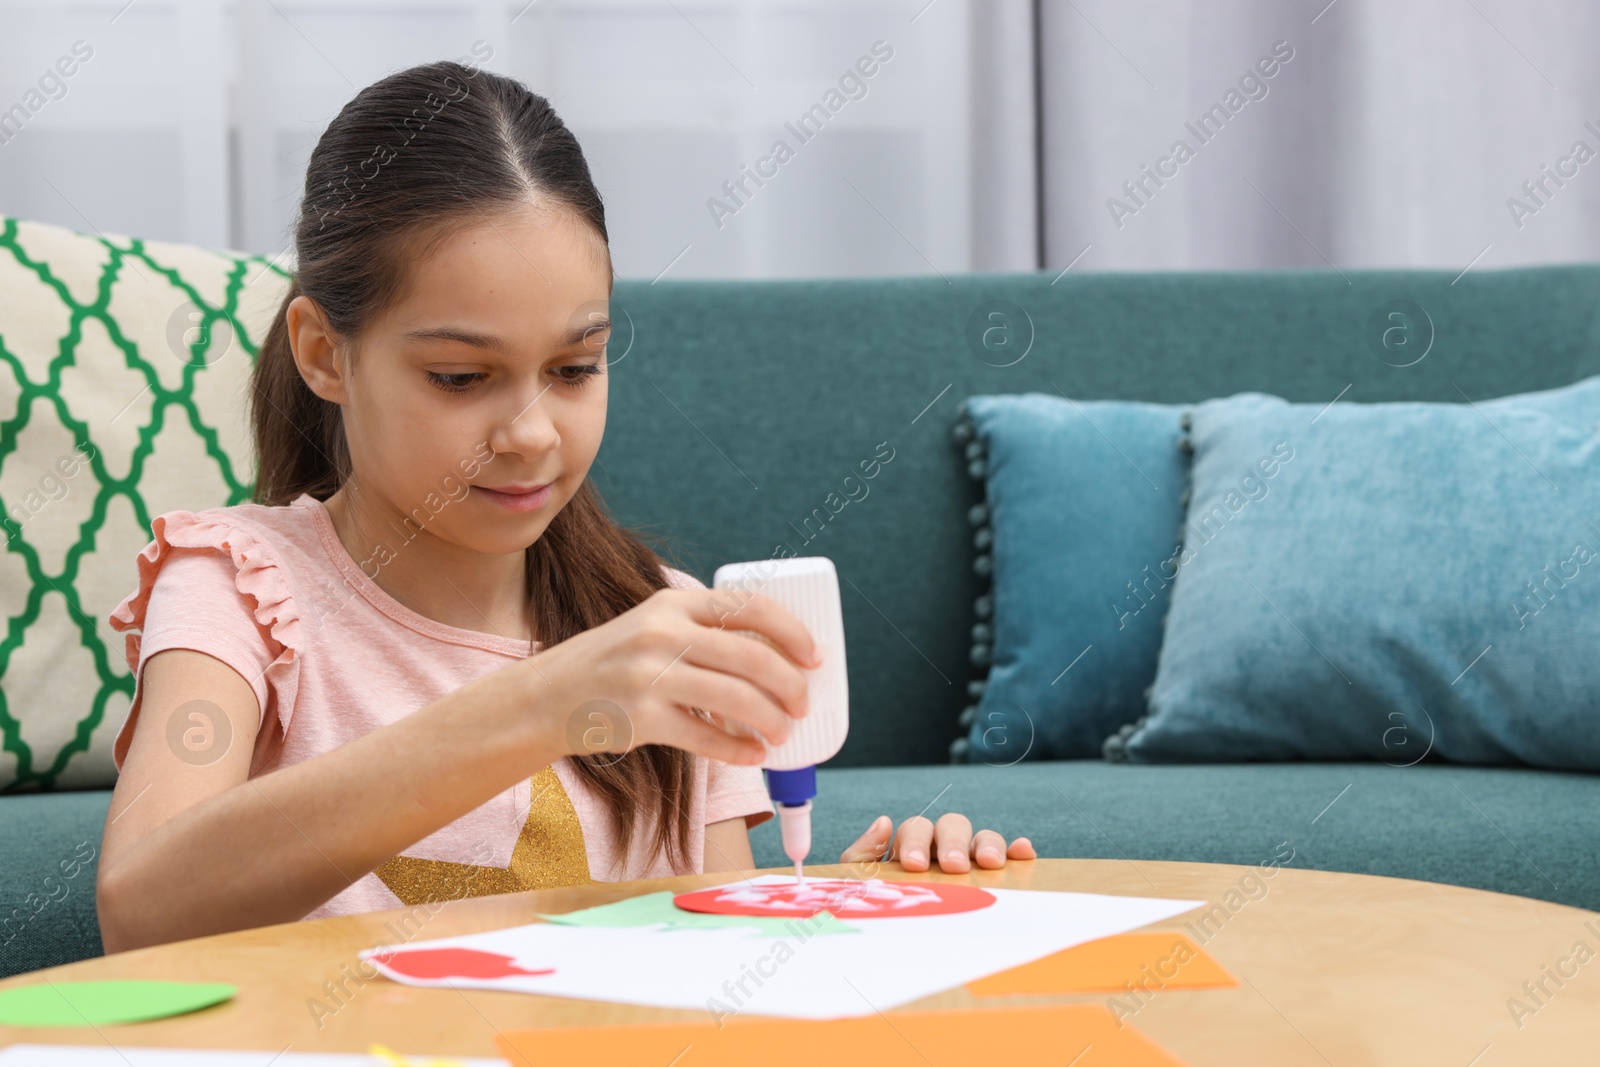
point(1085, 1035)
point(1150, 960)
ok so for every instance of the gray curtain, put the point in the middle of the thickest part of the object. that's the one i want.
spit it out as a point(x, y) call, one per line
point(1407, 133)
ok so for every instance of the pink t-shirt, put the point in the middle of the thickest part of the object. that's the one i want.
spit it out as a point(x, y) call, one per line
point(273, 593)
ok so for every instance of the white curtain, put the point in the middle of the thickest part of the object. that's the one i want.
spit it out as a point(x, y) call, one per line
point(1005, 137)
point(193, 119)
point(1399, 134)
point(1440, 133)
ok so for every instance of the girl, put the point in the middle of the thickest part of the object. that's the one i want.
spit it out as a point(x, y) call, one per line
point(400, 674)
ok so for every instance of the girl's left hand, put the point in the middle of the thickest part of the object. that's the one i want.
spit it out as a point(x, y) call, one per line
point(951, 839)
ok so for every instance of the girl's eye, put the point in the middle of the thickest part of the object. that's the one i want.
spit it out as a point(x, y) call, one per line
point(576, 375)
point(583, 374)
point(453, 383)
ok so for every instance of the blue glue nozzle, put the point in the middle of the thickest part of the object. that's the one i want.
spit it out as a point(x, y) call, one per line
point(792, 788)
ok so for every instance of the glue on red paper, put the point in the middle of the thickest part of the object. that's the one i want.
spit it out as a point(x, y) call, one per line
point(442, 963)
point(871, 898)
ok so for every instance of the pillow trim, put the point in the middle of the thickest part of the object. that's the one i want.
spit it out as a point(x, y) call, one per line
point(964, 433)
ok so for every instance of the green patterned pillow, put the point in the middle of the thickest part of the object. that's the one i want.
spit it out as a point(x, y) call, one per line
point(123, 394)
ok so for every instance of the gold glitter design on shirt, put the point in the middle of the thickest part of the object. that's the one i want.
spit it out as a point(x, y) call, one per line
point(549, 852)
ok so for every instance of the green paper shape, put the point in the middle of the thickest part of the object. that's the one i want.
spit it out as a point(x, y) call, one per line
point(652, 908)
point(105, 1003)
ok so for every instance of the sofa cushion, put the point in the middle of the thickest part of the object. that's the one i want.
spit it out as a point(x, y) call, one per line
point(122, 396)
point(1528, 832)
point(1385, 580)
point(1083, 500)
point(50, 844)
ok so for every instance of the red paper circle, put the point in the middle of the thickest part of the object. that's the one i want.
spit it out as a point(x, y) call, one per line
point(436, 963)
point(843, 898)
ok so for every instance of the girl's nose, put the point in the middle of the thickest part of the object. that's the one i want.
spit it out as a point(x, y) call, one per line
point(527, 427)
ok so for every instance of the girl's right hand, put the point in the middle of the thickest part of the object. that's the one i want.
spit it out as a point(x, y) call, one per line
point(632, 680)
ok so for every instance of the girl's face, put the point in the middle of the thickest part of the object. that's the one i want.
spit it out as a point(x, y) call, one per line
point(488, 373)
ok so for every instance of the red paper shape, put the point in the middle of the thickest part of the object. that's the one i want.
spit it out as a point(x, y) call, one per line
point(436, 963)
point(871, 898)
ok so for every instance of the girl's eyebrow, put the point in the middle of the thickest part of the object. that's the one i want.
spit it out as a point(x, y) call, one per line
point(576, 335)
point(456, 333)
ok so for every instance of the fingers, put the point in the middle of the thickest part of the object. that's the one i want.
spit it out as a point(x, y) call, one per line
point(695, 735)
point(870, 845)
point(952, 836)
point(743, 609)
point(914, 842)
point(757, 662)
point(726, 695)
point(988, 849)
point(958, 849)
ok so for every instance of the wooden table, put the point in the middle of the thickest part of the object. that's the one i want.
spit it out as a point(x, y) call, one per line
point(1337, 969)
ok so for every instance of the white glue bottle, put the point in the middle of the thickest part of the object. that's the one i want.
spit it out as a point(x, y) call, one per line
point(808, 586)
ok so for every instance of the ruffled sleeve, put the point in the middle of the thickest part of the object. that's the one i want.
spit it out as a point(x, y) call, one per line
point(213, 585)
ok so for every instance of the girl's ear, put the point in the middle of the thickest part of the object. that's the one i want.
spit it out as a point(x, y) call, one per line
point(316, 349)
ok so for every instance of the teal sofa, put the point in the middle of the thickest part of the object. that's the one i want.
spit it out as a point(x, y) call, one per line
point(739, 408)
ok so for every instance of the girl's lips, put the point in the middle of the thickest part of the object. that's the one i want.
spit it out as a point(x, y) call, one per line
point(516, 501)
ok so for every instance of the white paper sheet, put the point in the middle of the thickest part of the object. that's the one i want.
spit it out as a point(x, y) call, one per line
point(133, 1056)
point(890, 962)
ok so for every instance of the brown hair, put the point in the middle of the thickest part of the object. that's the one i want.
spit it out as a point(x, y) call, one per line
point(470, 143)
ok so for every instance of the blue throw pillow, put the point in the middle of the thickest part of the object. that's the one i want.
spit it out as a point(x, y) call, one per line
point(1386, 581)
point(1083, 500)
